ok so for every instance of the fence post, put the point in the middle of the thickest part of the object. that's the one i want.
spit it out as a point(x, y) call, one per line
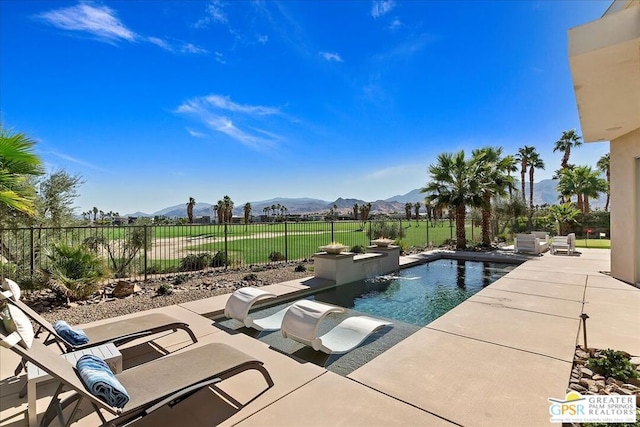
point(427, 242)
point(146, 245)
point(226, 248)
point(286, 243)
point(31, 256)
point(332, 238)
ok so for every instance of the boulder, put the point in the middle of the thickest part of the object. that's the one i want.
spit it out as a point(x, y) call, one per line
point(124, 289)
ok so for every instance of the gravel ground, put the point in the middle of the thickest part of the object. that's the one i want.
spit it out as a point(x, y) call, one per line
point(185, 288)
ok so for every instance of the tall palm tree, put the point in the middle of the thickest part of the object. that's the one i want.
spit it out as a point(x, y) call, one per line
point(454, 185)
point(355, 211)
point(416, 209)
point(219, 208)
point(604, 164)
point(568, 140)
point(408, 207)
point(247, 212)
point(592, 184)
point(535, 162)
point(228, 208)
point(494, 176)
point(523, 156)
point(190, 205)
point(17, 164)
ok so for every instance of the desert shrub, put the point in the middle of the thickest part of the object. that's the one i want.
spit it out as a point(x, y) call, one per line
point(164, 289)
point(193, 262)
point(250, 277)
point(357, 249)
point(390, 230)
point(276, 256)
point(180, 279)
point(612, 363)
point(75, 272)
point(300, 268)
point(219, 259)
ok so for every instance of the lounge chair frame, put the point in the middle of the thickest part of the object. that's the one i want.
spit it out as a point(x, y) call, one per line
point(182, 374)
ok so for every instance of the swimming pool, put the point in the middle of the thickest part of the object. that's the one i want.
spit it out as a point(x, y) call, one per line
point(417, 295)
point(411, 299)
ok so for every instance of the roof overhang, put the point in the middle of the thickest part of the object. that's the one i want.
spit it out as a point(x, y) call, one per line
point(604, 57)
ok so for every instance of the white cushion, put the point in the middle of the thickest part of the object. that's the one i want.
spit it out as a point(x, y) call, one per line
point(10, 285)
point(15, 320)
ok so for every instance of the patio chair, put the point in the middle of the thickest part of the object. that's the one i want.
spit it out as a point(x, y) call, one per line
point(302, 320)
point(150, 386)
point(564, 243)
point(118, 332)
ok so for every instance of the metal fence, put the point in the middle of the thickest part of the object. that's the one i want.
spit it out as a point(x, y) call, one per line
point(138, 251)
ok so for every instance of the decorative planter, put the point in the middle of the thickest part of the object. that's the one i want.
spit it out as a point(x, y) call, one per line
point(333, 249)
point(383, 243)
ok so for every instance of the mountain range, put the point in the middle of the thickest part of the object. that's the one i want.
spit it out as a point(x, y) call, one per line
point(543, 192)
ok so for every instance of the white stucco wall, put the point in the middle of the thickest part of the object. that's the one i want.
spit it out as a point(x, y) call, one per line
point(625, 207)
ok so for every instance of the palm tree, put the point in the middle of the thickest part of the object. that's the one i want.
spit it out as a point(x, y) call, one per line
point(604, 164)
point(494, 176)
point(454, 185)
point(219, 208)
point(355, 211)
point(408, 207)
point(228, 208)
point(523, 156)
point(535, 162)
point(568, 140)
point(416, 209)
point(592, 184)
point(95, 213)
point(17, 164)
point(190, 205)
point(247, 212)
point(564, 215)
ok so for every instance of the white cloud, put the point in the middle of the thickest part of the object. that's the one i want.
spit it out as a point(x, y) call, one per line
point(382, 7)
point(219, 57)
point(395, 24)
point(78, 161)
point(196, 134)
point(329, 56)
point(191, 48)
point(263, 39)
point(214, 14)
point(97, 20)
point(235, 120)
point(160, 43)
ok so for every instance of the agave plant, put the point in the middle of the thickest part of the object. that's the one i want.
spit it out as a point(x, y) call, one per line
point(74, 271)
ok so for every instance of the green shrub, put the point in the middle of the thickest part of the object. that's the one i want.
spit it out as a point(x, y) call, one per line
point(219, 260)
point(194, 262)
point(164, 289)
point(390, 230)
point(75, 272)
point(300, 268)
point(276, 256)
point(357, 249)
point(180, 279)
point(250, 277)
point(612, 363)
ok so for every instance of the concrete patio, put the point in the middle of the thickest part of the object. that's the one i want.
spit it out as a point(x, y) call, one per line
point(493, 360)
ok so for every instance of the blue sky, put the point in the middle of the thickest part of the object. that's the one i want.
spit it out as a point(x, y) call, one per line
point(153, 102)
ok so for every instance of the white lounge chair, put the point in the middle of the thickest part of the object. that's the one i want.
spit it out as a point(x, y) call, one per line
point(241, 301)
point(302, 319)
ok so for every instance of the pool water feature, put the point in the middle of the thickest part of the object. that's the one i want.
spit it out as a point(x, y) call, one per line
point(410, 298)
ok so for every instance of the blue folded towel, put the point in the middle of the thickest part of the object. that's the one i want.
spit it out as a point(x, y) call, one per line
point(74, 336)
point(100, 381)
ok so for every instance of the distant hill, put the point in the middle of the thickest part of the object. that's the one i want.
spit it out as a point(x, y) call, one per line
point(543, 192)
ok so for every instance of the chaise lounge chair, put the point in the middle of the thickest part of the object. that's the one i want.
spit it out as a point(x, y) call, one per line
point(151, 386)
point(118, 332)
point(302, 320)
point(241, 301)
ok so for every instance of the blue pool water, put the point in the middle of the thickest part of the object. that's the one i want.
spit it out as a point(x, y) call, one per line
point(417, 295)
point(410, 299)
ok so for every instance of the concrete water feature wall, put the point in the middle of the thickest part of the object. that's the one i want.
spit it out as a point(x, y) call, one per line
point(348, 267)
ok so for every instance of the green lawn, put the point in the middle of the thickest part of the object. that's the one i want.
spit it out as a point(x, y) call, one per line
point(593, 243)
